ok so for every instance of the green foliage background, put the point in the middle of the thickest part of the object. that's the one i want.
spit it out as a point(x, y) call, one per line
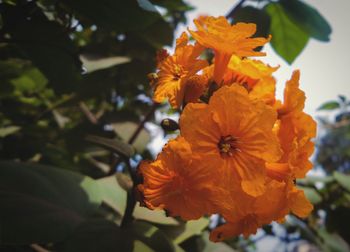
point(74, 97)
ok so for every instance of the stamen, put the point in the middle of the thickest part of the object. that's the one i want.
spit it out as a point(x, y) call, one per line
point(177, 72)
point(228, 145)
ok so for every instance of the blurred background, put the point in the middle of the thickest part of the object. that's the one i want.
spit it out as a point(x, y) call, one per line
point(76, 113)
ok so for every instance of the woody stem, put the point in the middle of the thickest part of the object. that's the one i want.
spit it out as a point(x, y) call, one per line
point(131, 200)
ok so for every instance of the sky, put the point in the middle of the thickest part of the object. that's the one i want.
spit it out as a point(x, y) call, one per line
point(324, 66)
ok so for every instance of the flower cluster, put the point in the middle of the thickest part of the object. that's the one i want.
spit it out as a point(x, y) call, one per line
point(240, 150)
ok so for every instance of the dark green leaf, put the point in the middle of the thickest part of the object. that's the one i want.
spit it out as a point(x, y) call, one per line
point(94, 236)
point(288, 40)
point(329, 105)
point(158, 35)
point(42, 203)
point(27, 219)
point(308, 19)
point(259, 17)
point(335, 222)
point(151, 236)
point(173, 5)
point(209, 246)
point(117, 15)
point(113, 145)
point(46, 44)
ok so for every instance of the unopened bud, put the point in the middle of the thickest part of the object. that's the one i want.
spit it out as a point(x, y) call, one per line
point(169, 125)
point(152, 78)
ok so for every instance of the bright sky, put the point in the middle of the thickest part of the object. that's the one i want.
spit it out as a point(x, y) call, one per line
point(324, 66)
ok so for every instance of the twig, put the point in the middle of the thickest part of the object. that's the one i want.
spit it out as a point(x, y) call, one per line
point(115, 159)
point(131, 201)
point(142, 124)
point(89, 115)
point(56, 105)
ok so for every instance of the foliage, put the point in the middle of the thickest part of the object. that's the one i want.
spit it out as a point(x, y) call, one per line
point(290, 22)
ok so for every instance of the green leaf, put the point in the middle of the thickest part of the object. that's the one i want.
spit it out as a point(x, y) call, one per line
point(115, 197)
point(311, 180)
point(332, 242)
point(329, 105)
point(249, 14)
point(140, 246)
point(173, 5)
point(95, 235)
point(31, 80)
point(342, 179)
point(117, 15)
point(46, 44)
point(288, 40)
point(311, 194)
point(186, 230)
point(9, 130)
point(158, 35)
point(41, 204)
point(113, 145)
point(151, 236)
point(308, 19)
point(94, 64)
point(127, 128)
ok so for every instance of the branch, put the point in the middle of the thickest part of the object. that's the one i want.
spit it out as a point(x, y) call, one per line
point(142, 124)
point(89, 115)
point(131, 201)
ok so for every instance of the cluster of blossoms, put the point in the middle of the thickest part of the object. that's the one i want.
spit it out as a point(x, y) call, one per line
point(240, 150)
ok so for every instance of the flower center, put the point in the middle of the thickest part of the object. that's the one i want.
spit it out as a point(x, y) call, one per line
point(178, 71)
point(228, 145)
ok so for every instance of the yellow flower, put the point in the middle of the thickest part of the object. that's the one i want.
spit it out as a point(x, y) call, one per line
point(226, 39)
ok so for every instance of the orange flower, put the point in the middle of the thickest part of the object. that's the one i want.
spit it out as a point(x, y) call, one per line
point(295, 131)
point(174, 183)
point(252, 213)
point(254, 75)
point(232, 135)
point(294, 98)
point(226, 39)
point(175, 70)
